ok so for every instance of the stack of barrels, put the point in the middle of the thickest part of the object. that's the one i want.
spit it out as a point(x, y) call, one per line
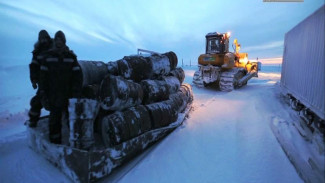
point(136, 94)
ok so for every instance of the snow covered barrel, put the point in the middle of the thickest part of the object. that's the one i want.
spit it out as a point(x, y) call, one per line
point(92, 72)
point(182, 97)
point(154, 91)
point(140, 67)
point(159, 90)
point(172, 59)
point(173, 83)
point(178, 73)
point(186, 89)
point(122, 126)
point(117, 93)
point(82, 113)
point(112, 68)
point(179, 100)
point(162, 113)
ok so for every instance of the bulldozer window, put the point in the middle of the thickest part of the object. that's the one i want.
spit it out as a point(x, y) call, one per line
point(213, 46)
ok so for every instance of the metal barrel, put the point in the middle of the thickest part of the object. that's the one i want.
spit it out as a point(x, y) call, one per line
point(172, 83)
point(122, 126)
point(91, 91)
point(186, 89)
point(117, 93)
point(182, 97)
point(140, 67)
point(138, 120)
point(179, 99)
point(154, 91)
point(172, 59)
point(136, 68)
point(162, 113)
point(159, 90)
point(112, 68)
point(114, 129)
point(82, 114)
point(178, 73)
point(92, 72)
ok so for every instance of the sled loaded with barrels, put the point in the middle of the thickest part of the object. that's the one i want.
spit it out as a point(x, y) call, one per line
point(127, 105)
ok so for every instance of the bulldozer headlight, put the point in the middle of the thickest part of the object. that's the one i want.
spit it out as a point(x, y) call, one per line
point(228, 34)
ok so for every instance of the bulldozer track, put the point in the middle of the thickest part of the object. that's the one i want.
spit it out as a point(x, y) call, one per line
point(229, 79)
point(197, 80)
point(226, 83)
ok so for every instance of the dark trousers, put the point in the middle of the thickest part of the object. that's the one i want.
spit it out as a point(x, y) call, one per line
point(55, 124)
point(35, 109)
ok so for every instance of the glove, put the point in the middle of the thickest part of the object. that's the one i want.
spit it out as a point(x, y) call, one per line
point(34, 84)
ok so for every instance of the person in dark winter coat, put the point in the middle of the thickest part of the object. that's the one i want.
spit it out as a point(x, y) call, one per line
point(43, 44)
point(60, 80)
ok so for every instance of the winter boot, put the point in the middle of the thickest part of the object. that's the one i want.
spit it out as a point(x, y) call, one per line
point(35, 111)
point(33, 119)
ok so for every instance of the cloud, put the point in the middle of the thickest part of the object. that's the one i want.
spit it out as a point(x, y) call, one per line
point(116, 28)
point(267, 46)
point(101, 37)
point(37, 20)
point(66, 18)
point(270, 61)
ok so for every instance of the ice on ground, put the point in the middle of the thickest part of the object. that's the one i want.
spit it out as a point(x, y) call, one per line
point(227, 138)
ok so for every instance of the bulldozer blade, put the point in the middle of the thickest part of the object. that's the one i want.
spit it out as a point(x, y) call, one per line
point(244, 80)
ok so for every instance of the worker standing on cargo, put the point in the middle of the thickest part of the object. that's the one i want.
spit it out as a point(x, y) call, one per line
point(43, 44)
point(61, 79)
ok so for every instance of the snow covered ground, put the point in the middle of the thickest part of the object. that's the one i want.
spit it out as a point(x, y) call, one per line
point(227, 137)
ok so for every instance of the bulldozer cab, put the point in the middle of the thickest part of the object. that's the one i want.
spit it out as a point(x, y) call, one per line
point(217, 43)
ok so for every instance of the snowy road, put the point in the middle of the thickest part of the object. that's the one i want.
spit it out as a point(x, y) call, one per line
point(227, 138)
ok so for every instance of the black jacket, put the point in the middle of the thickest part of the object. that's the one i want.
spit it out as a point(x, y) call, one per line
point(60, 77)
point(38, 56)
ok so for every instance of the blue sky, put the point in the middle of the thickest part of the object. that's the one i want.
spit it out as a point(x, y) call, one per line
point(108, 30)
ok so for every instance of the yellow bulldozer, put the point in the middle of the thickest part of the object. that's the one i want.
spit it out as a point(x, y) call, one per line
point(226, 69)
